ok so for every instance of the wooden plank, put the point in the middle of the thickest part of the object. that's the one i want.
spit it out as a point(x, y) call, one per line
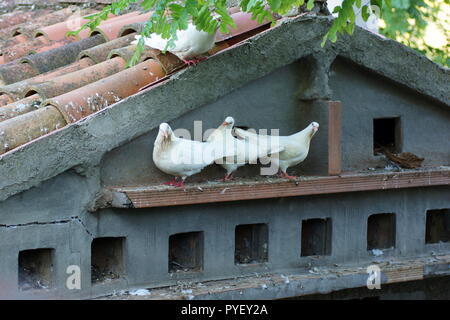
point(161, 196)
point(404, 274)
point(334, 138)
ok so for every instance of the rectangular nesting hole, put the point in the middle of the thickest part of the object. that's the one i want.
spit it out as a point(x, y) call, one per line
point(186, 252)
point(381, 231)
point(251, 243)
point(438, 226)
point(36, 269)
point(316, 237)
point(107, 259)
point(386, 135)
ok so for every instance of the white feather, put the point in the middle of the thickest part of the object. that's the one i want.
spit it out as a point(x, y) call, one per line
point(181, 157)
point(295, 147)
point(190, 43)
point(245, 151)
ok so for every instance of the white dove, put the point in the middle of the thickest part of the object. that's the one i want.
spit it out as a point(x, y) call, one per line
point(244, 151)
point(189, 46)
point(295, 147)
point(181, 157)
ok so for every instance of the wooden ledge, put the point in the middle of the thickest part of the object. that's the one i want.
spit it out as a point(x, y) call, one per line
point(264, 188)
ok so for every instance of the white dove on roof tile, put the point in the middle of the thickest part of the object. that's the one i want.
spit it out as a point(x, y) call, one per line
point(181, 157)
point(189, 46)
point(246, 151)
point(295, 147)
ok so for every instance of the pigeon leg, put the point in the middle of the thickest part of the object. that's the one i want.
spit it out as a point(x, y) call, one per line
point(181, 183)
point(228, 177)
point(173, 182)
point(194, 61)
point(283, 174)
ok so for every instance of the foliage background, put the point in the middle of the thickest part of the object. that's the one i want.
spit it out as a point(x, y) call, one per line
point(423, 25)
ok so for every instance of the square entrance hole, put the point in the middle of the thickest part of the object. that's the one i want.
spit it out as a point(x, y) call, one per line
point(381, 231)
point(186, 252)
point(438, 226)
point(107, 259)
point(251, 243)
point(386, 135)
point(35, 269)
point(316, 237)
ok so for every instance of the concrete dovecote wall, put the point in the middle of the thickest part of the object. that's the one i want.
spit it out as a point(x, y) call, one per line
point(70, 245)
point(276, 101)
point(424, 123)
point(270, 102)
point(50, 216)
point(146, 234)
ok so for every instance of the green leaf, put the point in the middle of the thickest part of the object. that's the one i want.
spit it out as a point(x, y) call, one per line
point(310, 4)
point(337, 9)
point(401, 4)
point(275, 4)
point(365, 13)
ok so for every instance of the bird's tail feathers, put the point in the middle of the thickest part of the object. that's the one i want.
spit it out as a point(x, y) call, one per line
point(245, 133)
point(213, 152)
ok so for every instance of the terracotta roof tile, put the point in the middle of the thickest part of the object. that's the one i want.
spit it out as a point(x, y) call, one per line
point(58, 31)
point(22, 129)
point(101, 52)
point(111, 29)
point(52, 59)
point(244, 24)
point(19, 107)
point(71, 79)
point(50, 46)
point(22, 49)
point(86, 100)
point(17, 39)
point(18, 90)
point(5, 99)
point(27, 29)
point(18, 17)
point(13, 72)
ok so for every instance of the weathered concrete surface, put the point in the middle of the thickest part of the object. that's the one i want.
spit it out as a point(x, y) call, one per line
point(85, 142)
point(313, 284)
point(424, 125)
point(66, 227)
point(397, 62)
point(277, 101)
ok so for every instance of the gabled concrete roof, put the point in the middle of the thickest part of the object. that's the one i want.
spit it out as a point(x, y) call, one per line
point(81, 145)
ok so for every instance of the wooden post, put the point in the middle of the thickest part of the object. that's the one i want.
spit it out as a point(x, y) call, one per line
point(334, 138)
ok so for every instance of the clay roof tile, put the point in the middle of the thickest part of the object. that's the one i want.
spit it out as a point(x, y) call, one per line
point(74, 79)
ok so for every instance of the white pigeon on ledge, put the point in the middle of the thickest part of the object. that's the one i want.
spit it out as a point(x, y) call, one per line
point(189, 47)
point(295, 147)
point(246, 151)
point(183, 158)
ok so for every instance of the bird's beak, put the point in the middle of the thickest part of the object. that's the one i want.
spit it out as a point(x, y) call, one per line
point(225, 123)
point(165, 134)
